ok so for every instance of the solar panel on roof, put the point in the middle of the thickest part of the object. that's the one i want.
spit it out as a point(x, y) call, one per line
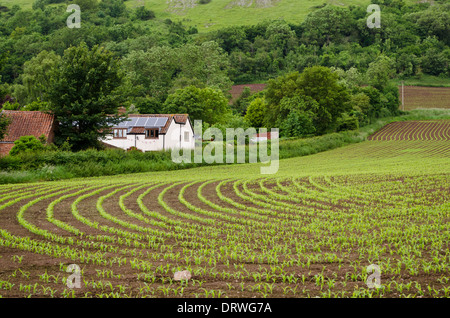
point(124, 123)
point(148, 122)
point(161, 121)
point(141, 121)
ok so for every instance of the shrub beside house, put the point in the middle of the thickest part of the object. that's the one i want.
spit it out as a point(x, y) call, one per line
point(27, 123)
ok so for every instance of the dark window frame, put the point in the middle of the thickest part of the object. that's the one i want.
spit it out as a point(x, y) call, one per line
point(152, 133)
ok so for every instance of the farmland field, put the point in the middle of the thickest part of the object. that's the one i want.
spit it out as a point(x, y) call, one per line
point(310, 230)
point(425, 97)
point(414, 130)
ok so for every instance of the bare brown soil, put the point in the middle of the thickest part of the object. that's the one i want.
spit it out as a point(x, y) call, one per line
point(149, 267)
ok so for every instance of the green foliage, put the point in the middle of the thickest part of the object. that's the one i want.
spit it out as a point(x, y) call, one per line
point(161, 70)
point(298, 123)
point(144, 14)
point(4, 123)
point(241, 104)
point(380, 72)
point(326, 25)
point(83, 95)
point(315, 90)
point(347, 122)
point(206, 104)
point(256, 112)
point(360, 103)
point(11, 105)
point(434, 21)
point(36, 77)
point(435, 62)
point(113, 8)
point(26, 144)
point(36, 105)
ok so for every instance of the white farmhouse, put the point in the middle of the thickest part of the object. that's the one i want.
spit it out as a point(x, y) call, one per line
point(152, 132)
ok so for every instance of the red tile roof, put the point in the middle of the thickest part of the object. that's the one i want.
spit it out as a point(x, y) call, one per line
point(137, 130)
point(28, 123)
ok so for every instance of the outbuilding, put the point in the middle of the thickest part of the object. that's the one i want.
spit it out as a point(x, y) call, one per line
point(27, 123)
point(152, 132)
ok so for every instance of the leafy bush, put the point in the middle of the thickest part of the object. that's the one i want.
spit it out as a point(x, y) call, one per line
point(26, 144)
point(142, 13)
point(347, 122)
point(298, 124)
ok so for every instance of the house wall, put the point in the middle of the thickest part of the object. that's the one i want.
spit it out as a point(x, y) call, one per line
point(138, 141)
point(173, 136)
point(168, 141)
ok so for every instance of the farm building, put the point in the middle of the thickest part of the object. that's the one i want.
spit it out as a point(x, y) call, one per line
point(152, 132)
point(27, 123)
point(264, 136)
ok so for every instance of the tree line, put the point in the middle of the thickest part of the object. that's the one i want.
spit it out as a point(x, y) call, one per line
point(328, 73)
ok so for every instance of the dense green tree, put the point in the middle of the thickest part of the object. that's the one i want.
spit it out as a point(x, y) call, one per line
point(241, 103)
point(380, 71)
point(83, 95)
point(298, 123)
point(207, 63)
point(435, 62)
point(160, 70)
point(434, 21)
point(316, 89)
point(26, 144)
point(347, 122)
point(281, 37)
point(207, 104)
point(326, 25)
point(152, 72)
point(255, 112)
point(87, 4)
point(142, 13)
point(36, 77)
point(113, 8)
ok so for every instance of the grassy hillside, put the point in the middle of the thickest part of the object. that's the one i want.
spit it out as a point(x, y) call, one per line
point(221, 13)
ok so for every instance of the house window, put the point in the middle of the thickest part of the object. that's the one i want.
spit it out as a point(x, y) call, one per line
point(152, 133)
point(120, 133)
point(186, 136)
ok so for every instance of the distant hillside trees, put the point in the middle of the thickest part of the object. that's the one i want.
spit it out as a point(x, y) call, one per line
point(321, 100)
point(159, 71)
point(315, 97)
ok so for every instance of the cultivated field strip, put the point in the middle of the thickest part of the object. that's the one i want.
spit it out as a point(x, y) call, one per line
point(310, 230)
point(414, 130)
point(270, 237)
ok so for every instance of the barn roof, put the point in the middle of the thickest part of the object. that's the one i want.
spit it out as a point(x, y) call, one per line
point(28, 123)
